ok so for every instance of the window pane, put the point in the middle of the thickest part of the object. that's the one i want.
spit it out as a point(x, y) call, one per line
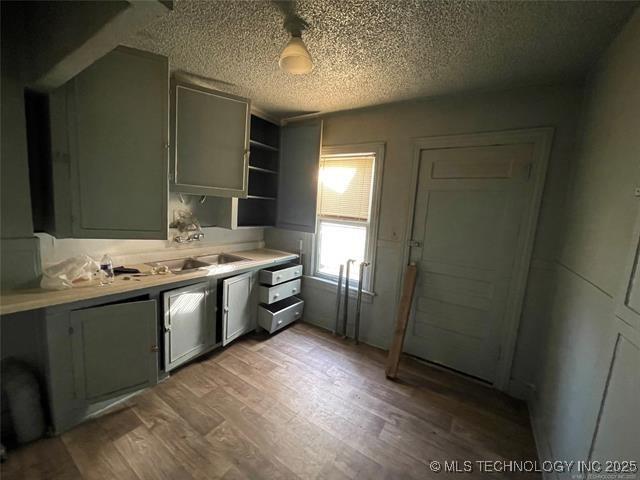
point(345, 187)
point(338, 243)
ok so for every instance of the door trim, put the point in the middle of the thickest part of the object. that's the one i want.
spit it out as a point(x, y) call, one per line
point(541, 138)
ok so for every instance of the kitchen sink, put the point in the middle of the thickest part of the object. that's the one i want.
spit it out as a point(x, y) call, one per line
point(220, 259)
point(181, 264)
point(184, 265)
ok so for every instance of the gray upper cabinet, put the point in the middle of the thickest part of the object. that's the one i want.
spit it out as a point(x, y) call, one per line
point(109, 138)
point(300, 145)
point(189, 323)
point(114, 349)
point(239, 306)
point(210, 141)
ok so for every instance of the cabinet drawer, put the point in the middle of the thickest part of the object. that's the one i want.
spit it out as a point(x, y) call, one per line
point(278, 315)
point(276, 293)
point(280, 273)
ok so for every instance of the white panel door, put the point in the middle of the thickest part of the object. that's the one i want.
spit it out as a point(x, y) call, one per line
point(469, 210)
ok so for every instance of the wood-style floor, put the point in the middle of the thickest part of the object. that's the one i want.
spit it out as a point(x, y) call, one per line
point(300, 404)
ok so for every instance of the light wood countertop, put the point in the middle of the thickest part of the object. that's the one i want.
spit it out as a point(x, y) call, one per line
point(14, 301)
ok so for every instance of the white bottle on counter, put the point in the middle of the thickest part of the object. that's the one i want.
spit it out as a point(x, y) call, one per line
point(106, 270)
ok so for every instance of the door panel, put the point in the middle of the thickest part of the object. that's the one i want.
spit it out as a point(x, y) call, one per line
point(211, 142)
point(298, 177)
point(119, 157)
point(469, 208)
point(239, 306)
point(617, 433)
point(189, 322)
point(114, 349)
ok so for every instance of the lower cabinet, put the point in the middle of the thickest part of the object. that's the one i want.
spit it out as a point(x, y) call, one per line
point(189, 323)
point(278, 305)
point(97, 356)
point(238, 306)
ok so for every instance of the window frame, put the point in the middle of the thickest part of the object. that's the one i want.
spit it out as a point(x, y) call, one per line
point(377, 150)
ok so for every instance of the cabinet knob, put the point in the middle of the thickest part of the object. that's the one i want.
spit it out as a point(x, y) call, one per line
point(297, 314)
point(276, 295)
point(278, 277)
point(293, 290)
point(297, 273)
point(279, 322)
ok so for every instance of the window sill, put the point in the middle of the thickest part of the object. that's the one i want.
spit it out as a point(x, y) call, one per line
point(329, 286)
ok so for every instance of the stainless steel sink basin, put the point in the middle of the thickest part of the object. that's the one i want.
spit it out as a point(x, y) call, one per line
point(181, 264)
point(220, 259)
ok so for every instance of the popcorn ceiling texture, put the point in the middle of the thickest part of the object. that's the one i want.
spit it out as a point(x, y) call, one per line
point(371, 52)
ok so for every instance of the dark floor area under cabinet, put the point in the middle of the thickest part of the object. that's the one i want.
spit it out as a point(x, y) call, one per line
point(299, 404)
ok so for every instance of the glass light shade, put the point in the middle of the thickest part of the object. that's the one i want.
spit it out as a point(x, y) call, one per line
point(295, 57)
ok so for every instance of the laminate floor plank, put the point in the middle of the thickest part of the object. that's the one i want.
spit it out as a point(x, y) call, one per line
point(301, 404)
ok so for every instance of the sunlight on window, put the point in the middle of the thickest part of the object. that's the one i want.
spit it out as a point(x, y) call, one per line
point(339, 243)
point(336, 178)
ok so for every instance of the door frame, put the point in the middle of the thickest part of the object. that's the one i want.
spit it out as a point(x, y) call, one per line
point(541, 138)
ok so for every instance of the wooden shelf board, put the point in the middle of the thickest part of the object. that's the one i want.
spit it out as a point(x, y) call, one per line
point(255, 143)
point(263, 170)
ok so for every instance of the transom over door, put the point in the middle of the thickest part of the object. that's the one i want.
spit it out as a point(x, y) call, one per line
point(471, 204)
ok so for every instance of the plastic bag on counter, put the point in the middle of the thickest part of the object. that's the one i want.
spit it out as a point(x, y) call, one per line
point(62, 275)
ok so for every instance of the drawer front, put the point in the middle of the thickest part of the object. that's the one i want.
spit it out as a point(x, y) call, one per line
point(276, 293)
point(276, 276)
point(273, 321)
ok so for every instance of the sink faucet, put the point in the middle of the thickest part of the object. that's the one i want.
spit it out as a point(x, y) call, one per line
point(190, 237)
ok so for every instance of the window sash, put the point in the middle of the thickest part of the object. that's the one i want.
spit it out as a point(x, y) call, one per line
point(334, 278)
point(377, 151)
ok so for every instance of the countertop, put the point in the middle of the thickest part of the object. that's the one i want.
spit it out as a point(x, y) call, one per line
point(14, 301)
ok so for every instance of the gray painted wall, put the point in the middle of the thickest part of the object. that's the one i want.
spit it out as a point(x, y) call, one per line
point(397, 125)
point(600, 214)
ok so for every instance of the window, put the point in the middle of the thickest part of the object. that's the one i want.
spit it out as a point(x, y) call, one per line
point(348, 194)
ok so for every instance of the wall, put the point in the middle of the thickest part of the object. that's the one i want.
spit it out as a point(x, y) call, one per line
point(397, 125)
point(587, 346)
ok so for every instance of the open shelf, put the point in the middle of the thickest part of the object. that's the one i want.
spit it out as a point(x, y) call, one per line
point(264, 134)
point(263, 170)
point(260, 207)
point(256, 212)
point(255, 143)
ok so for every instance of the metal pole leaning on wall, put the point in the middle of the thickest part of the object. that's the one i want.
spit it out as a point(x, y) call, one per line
point(346, 299)
point(356, 334)
point(338, 299)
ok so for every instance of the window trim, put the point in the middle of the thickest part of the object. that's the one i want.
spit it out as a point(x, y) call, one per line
point(378, 150)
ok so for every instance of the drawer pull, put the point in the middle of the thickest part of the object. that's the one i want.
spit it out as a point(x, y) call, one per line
point(297, 314)
point(293, 290)
point(279, 322)
point(276, 295)
point(297, 273)
point(278, 277)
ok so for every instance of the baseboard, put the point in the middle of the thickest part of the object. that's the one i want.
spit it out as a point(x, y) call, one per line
point(520, 390)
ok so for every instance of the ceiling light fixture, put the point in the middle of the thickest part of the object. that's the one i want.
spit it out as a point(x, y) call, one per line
point(295, 57)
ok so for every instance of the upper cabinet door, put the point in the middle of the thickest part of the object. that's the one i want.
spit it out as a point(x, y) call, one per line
point(210, 139)
point(300, 145)
point(118, 137)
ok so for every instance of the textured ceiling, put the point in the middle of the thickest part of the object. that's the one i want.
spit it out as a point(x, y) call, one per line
point(370, 52)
